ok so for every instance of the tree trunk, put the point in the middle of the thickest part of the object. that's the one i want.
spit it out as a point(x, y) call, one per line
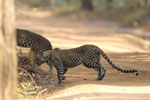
point(87, 5)
point(1, 49)
point(8, 62)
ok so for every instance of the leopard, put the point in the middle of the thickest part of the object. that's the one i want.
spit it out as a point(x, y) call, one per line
point(88, 55)
point(37, 43)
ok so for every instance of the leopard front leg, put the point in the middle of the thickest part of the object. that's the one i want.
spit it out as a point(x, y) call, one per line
point(50, 66)
point(65, 70)
point(60, 71)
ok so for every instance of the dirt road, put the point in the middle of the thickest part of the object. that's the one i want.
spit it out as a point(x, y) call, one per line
point(121, 45)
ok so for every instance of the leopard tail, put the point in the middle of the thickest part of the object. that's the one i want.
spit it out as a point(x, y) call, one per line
point(114, 66)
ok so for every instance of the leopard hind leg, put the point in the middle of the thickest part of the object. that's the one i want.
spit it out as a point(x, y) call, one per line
point(101, 72)
point(95, 64)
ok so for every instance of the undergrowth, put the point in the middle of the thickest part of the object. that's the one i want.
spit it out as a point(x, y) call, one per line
point(31, 79)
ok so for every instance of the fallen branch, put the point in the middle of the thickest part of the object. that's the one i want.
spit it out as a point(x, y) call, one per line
point(37, 97)
point(28, 75)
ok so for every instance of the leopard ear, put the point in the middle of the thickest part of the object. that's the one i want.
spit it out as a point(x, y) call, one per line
point(46, 54)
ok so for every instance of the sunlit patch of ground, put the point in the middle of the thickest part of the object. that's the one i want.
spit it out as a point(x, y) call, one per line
point(104, 92)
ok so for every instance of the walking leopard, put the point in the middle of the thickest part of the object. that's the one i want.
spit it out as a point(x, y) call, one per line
point(88, 55)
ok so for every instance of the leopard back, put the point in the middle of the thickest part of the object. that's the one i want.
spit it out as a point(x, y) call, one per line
point(76, 56)
point(32, 40)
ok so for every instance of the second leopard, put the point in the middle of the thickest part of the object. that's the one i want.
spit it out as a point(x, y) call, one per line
point(88, 55)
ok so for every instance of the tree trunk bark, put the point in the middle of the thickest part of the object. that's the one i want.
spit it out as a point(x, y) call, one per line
point(8, 62)
point(1, 49)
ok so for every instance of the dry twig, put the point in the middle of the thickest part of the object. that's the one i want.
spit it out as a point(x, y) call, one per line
point(28, 75)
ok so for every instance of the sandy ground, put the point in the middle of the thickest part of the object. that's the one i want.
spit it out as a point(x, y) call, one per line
point(124, 47)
